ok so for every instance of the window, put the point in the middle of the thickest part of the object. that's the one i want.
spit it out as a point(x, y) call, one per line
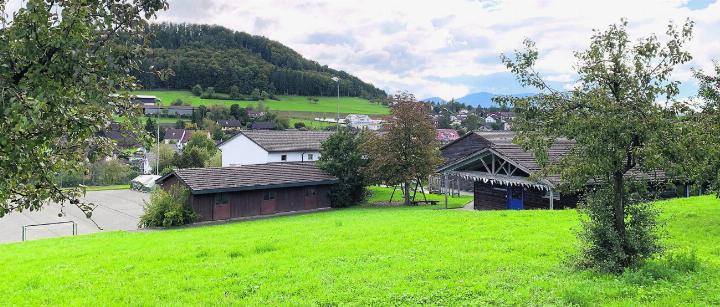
point(283, 158)
point(310, 191)
point(221, 198)
point(269, 195)
point(310, 157)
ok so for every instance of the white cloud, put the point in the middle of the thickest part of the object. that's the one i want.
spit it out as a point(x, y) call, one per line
point(431, 47)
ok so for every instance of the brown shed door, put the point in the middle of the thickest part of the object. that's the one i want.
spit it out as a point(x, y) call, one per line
point(221, 207)
point(269, 203)
point(311, 198)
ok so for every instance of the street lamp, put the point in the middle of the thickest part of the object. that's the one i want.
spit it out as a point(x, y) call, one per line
point(337, 119)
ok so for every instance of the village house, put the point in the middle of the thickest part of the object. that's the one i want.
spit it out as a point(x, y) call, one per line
point(180, 137)
point(252, 190)
point(499, 172)
point(145, 100)
point(360, 121)
point(445, 136)
point(263, 126)
point(184, 111)
point(264, 146)
point(229, 124)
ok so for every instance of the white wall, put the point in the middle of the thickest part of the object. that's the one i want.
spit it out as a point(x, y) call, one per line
point(293, 156)
point(241, 151)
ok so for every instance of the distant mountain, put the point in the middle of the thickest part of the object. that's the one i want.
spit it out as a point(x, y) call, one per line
point(434, 99)
point(484, 99)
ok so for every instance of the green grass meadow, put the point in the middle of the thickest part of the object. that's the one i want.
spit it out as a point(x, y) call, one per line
point(348, 105)
point(366, 256)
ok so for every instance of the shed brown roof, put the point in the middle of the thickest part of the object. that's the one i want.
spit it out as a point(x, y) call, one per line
point(287, 140)
point(251, 177)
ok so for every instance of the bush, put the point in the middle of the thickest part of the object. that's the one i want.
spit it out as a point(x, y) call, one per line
point(603, 249)
point(299, 125)
point(197, 90)
point(167, 208)
point(209, 93)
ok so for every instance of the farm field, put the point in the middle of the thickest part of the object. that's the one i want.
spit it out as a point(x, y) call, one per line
point(286, 103)
point(366, 256)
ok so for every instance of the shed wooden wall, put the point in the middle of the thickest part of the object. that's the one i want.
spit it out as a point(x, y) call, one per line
point(251, 203)
point(494, 197)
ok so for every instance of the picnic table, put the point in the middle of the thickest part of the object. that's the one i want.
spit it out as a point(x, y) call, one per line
point(424, 202)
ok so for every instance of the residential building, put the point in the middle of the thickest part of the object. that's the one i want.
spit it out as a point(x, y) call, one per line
point(360, 121)
point(445, 136)
point(252, 190)
point(180, 137)
point(229, 124)
point(263, 126)
point(264, 146)
point(185, 111)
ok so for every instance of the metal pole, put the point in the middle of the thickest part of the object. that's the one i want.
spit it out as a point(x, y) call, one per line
point(157, 136)
point(338, 104)
point(552, 199)
point(23, 233)
point(446, 190)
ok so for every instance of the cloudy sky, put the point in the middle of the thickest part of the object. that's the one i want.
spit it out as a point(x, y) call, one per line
point(450, 48)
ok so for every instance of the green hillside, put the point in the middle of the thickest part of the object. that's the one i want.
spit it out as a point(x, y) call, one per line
point(214, 56)
point(285, 103)
point(365, 256)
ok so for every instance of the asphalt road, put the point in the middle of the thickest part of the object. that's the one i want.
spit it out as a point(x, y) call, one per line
point(117, 210)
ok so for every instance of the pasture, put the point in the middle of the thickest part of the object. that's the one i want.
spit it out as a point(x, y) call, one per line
point(366, 256)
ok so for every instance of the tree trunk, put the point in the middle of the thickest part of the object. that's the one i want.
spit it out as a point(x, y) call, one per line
point(619, 205)
point(406, 189)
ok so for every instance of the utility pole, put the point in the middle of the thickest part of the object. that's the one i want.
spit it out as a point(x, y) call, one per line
point(157, 136)
point(337, 118)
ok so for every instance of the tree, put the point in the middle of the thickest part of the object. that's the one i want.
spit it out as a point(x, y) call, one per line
point(619, 128)
point(166, 159)
point(180, 124)
point(342, 157)
point(197, 90)
point(409, 150)
point(444, 119)
point(209, 93)
point(201, 141)
point(217, 133)
point(703, 133)
point(472, 122)
point(58, 78)
point(256, 95)
point(234, 92)
point(150, 126)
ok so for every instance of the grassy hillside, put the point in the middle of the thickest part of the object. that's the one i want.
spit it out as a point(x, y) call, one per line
point(286, 103)
point(365, 256)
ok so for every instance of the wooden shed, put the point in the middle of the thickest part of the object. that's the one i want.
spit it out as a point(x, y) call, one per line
point(252, 190)
point(501, 172)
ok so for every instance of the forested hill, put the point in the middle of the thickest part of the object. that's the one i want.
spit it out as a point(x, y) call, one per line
point(219, 57)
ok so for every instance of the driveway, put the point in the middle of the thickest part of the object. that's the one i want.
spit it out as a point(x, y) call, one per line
point(117, 210)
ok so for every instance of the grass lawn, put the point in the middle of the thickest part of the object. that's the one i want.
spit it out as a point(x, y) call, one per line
point(382, 195)
point(310, 124)
point(286, 103)
point(363, 256)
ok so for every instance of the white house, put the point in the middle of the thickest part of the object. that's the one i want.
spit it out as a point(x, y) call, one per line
point(265, 146)
point(360, 121)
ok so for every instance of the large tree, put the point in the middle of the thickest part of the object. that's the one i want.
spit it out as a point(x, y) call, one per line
point(341, 156)
point(409, 150)
point(704, 132)
point(621, 115)
point(63, 62)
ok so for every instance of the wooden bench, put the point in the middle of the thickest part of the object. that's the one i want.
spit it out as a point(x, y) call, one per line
point(424, 202)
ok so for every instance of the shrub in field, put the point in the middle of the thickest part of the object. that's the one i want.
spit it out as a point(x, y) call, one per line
point(167, 208)
point(197, 90)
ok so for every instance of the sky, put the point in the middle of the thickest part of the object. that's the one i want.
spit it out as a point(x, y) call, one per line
point(450, 48)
